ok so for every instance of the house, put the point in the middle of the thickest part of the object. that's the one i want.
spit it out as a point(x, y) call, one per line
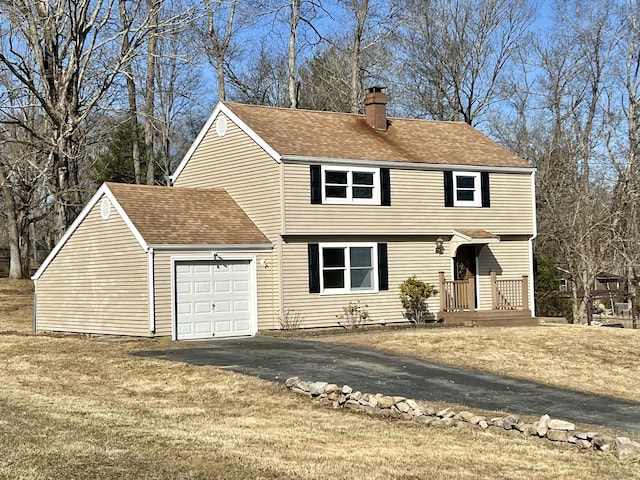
point(348, 207)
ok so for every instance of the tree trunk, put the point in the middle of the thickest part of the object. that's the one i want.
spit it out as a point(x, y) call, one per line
point(361, 10)
point(13, 231)
point(294, 19)
point(131, 93)
point(149, 109)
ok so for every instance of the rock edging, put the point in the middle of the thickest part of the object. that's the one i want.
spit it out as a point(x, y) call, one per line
point(555, 430)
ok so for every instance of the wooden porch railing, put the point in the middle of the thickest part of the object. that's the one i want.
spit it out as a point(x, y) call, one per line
point(508, 294)
point(457, 295)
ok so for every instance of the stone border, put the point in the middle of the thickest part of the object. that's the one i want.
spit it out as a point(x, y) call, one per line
point(555, 430)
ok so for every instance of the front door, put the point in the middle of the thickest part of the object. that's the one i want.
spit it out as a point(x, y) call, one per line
point(464, 265)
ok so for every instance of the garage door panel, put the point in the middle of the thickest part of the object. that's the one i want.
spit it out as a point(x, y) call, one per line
point(200, 286)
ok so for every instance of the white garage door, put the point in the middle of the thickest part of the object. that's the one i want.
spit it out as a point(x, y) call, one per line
point(213, 299)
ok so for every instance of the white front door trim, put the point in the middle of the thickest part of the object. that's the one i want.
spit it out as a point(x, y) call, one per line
point(215, 256)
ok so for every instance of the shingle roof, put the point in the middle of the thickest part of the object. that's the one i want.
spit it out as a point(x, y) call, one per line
point(186, 216)
point(319, 134)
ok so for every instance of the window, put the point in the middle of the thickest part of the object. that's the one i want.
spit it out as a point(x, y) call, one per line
point(346, 185)
point(466, 189)
point(350, 185)
point(347, 268)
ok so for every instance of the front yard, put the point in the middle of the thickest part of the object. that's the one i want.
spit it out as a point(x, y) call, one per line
point(85, 408)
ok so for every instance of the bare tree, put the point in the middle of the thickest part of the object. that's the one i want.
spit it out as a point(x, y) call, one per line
point(455, 53)
point(220, 29)
point(66, 56)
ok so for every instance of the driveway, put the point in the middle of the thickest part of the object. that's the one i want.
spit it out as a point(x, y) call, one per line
point(277, 359)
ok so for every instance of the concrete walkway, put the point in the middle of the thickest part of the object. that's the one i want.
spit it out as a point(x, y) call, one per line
point(277, 359)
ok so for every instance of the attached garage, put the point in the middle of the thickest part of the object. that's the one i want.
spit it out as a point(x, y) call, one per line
point(156, 261)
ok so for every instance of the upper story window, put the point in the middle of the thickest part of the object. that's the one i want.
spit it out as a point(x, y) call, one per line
point(466, 189)
point(350, 185)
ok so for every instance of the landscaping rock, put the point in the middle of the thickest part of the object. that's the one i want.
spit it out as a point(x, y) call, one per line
point(557, 435)
point(291, 381)
point(543, 425)
point(561, 425)
point(317, 388)
point(603, 442)
point(385, 402)
point(553, 431)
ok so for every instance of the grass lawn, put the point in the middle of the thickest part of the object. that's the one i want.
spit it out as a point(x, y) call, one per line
point(84, 408)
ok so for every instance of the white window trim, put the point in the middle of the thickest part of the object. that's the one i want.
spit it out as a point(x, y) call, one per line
point(375, 200)
point(347, 274)
point(477, 191)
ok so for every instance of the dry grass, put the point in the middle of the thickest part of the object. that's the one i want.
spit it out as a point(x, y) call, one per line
point(588, 359)
point(16, 305)
point(82, 408)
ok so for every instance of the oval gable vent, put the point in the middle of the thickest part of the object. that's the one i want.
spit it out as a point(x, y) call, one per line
point(221, 126)
point(105, 208)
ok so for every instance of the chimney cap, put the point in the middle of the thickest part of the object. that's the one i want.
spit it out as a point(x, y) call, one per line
point(375, 89)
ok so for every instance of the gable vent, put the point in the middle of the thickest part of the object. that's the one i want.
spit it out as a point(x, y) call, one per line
point(221, 126)
point(105, 208)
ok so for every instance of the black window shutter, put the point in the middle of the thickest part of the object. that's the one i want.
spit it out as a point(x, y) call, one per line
point(314, 267)
point(383, 267)
point(484, 185)
point(316, 184)
point(385, 185)
point(448, 189)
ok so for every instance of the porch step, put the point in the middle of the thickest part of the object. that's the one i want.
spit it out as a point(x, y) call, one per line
point(492, 318)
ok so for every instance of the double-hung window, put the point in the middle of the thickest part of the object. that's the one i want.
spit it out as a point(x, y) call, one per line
point(359, 185)
point(348, 267)
point(350, 185)
point(466, 189)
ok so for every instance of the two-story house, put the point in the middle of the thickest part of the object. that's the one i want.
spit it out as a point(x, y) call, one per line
point(277, 213)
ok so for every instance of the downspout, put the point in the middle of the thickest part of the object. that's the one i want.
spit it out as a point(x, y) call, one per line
point(532, 302)
point(152, 302)
point(34, 327)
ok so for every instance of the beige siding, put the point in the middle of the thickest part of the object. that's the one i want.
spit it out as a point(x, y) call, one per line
point(413, 256)
point(97, 283)
point(417, 207)
point(236, 163)
point(406, 258)
point(510, 259)
point(267, 300)
point(252, 178)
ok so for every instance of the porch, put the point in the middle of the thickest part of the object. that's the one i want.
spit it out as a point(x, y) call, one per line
point(509, 302)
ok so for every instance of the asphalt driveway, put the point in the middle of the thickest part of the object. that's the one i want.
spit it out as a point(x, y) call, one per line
point(277, 359)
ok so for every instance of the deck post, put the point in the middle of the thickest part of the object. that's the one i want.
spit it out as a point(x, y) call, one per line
point(525, 292)
point(441, 290)
point(471, 280)
point(494, 292)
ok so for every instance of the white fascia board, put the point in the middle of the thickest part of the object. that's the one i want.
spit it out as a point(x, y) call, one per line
point(215, 248)
point(102, 191)
point(403, 165)
point(222, 108)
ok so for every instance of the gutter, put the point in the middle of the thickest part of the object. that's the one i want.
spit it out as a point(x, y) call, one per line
point(297, 159)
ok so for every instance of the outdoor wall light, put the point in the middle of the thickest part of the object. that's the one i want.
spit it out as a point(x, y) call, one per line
point(439, 245)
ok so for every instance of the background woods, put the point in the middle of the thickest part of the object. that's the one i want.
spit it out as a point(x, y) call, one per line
point(99, 90)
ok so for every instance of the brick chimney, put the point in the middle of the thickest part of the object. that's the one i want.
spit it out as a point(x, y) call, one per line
point(375, 108)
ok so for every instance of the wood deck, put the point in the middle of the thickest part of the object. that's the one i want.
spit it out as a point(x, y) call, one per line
point(491, 318)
